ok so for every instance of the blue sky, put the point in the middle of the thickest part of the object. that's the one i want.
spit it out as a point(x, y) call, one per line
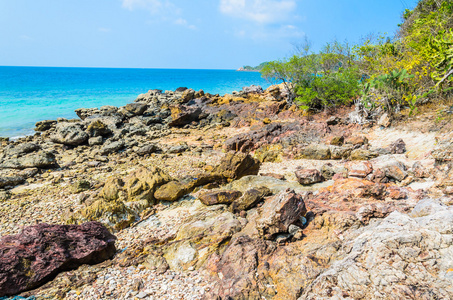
point(195, 34)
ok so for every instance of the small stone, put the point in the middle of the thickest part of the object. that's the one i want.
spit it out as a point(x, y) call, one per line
point(398, 147)
point(293, 229)
point(357, 140)
point(308, 176)
point(141, 295)
point(81, 186)
point(359, 169)
point(93, 141)
point(281, 238)
point(384, 120)
point(333, 120)
point(337, 140)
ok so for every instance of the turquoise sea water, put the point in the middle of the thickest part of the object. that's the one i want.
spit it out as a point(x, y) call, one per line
point(31, 94)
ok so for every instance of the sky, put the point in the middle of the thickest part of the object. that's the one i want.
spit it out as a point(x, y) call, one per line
point(182, 34)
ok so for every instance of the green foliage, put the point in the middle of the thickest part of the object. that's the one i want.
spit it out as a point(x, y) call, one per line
point(423, 49)
point(414, 66)
point(317, 81)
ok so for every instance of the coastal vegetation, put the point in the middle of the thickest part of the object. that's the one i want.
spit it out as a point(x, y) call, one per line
point(411, 68)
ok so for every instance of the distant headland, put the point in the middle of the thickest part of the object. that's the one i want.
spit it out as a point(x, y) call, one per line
point(252, 69)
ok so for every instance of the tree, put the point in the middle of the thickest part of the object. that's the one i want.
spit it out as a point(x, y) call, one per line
point(316, 81)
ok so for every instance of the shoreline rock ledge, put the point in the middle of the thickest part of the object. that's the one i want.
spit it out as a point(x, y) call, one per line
point(40, 252)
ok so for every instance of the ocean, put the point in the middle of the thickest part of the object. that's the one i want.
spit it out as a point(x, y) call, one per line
point(31, 94)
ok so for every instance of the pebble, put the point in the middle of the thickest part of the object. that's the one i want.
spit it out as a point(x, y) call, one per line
point(141, 295)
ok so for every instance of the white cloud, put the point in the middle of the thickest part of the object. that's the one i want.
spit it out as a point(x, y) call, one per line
point(153, 6)
point(259, 11)
point(183, 22)
point(162, 10)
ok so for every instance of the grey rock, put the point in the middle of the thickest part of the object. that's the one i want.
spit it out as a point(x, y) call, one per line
point(96, 140)
point(398, 147)
point(84, 113)
point(256, 89)
point(147, 149)
point(69, 134)
point(44, 125)
point(6, 181)
point(136, 108)
point(23, 148)
point(28, 173)
point(178, 149)
point(41, 159)
point(112, 147)
point(393, 258)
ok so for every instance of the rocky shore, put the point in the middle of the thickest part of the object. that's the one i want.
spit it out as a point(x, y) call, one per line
point(187, 195)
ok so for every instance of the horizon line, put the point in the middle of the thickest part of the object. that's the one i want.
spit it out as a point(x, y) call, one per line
point(139, 68)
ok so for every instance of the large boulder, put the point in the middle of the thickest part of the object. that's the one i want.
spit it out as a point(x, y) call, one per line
point(22, 149)
point(44, 125)
point(41, 159)
point(183, 114)
point(204, 233)
point(235, 271)
point(112, 189)
point(70, 134)
point(399, 257)
point(170, 191)
point(393, 169)
point(40, 252)
point(10, 181)
point(279, 212)
point(316, 151)
point(112, 147)
point(98, 128)
point(142, 183)
point(235, 165)
point(136, 108)
point(255, 89)
point(250, 198)
point(219, 197)
point(114, 214)
point(147, 149)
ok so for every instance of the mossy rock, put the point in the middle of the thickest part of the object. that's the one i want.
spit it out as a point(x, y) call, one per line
point(98, 128)
point(170, 191)
point(81, 186)
point(269, 153)
point(362, 154)
point(142, 184)
point(112, 189)
point(115, 215)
